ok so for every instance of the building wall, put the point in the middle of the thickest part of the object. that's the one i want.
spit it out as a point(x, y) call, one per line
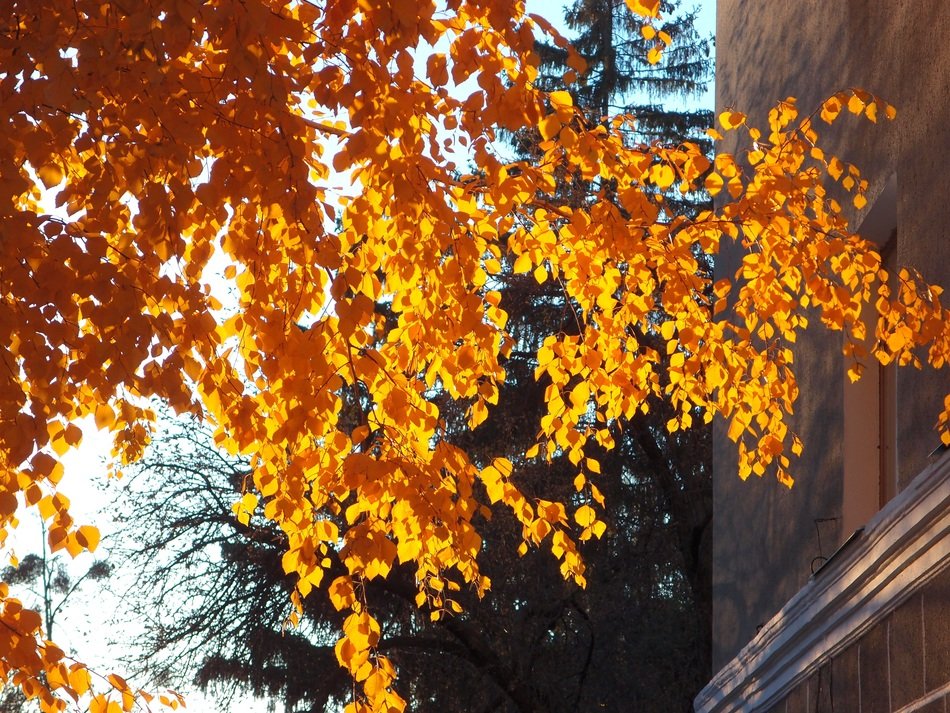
point(901, 664)
point(767, 540)
point(869, 632)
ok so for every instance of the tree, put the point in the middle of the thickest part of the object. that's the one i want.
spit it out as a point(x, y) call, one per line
point(623, 77)
point(659, 487)
point(48, 580)
point(172, 132)
point(214, 606)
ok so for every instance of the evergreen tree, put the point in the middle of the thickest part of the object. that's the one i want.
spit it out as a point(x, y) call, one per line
point(621, 79)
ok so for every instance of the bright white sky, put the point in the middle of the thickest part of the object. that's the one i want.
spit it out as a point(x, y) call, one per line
point(88, 627)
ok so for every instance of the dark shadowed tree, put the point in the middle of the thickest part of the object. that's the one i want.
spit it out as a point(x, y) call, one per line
point(535, 643)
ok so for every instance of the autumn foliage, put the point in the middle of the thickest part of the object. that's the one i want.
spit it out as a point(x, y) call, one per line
point(256, 210)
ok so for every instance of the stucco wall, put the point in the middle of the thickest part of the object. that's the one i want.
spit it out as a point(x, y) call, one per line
point(766, 537)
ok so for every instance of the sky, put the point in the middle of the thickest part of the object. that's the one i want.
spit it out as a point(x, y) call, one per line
point(89, 624)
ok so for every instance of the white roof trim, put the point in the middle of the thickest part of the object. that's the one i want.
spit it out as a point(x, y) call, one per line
point(899, 550)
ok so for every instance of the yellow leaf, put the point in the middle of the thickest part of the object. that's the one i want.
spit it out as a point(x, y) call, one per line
point(88, 537)
point(831, 108)
point(50, 174)
point(341, 593)
point(494, 482)
point(376, 683)
point(585, 516)
point(117, 682)
point(522, 264)
point(597, 495)
point(361, 630)
point(56, 676)
point(550, 126)
point(662, 175)
point(104, 416)
point(715, 376)
point(854, 372)
point(713, 184)
point(561, 100)
point(467, 358)
point(79, 679)
point(326, 531)
point(245, 507)
point(735, 429)
point(731, 119)
point(580, 395)
point(835, 167)
point(644, 8)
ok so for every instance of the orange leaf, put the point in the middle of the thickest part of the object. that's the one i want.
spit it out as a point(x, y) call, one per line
point(644, 8)
point(831, 108)
point(88, 537)
point(731, 119)
point(105, 416)
point(713, 184)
